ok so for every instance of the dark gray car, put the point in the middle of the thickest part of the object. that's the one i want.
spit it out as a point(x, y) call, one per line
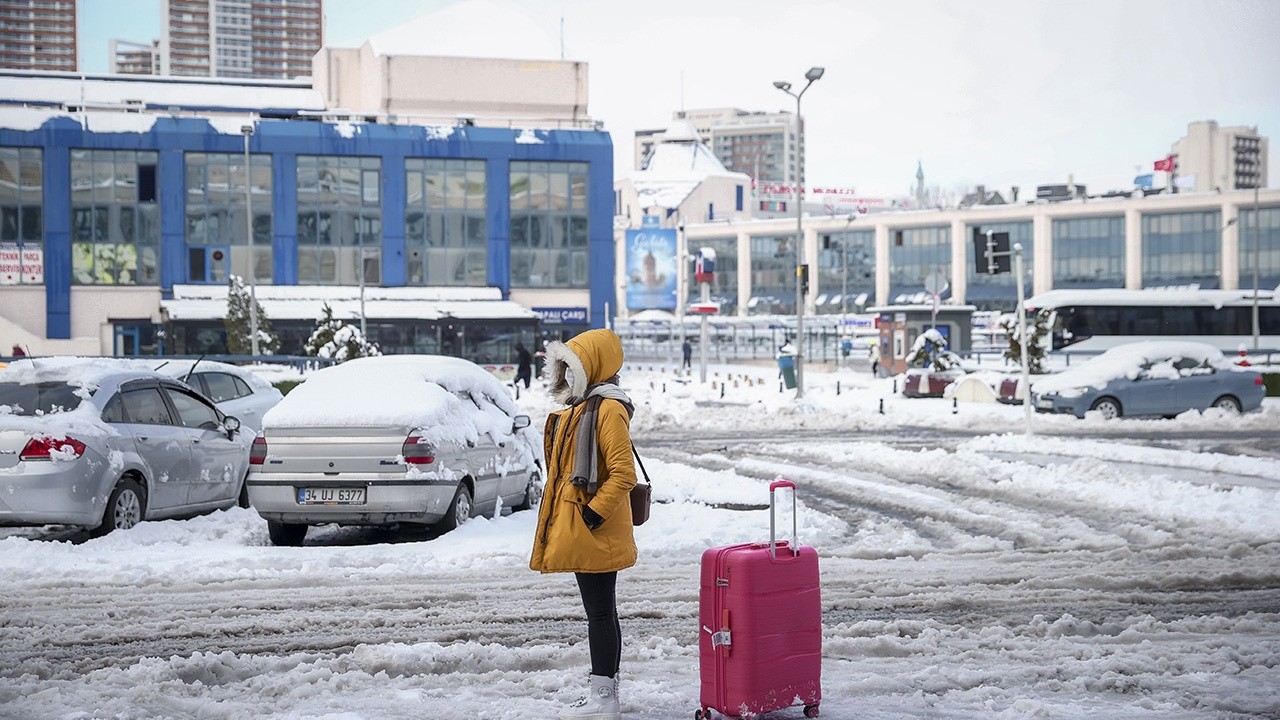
point(93, 442)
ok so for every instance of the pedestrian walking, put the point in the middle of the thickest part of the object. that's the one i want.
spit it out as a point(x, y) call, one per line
point(584, 523)
point(687, 349)
point(524, 365)
point(875, 358)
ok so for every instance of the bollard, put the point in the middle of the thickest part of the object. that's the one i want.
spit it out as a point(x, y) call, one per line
point(779, 385)
point(837, 387)
point(881, 406)
point(664, 388)
point(955, 406)
point(517, 387)
point(722, 391)
point(895, 386)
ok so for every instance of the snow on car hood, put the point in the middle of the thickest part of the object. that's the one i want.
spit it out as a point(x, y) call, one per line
point(1126, 360)
point(410, 391)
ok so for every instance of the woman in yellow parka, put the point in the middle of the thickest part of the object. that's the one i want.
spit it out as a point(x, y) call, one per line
point(584, 524)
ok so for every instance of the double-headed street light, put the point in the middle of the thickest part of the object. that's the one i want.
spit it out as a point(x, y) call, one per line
point(801, 270)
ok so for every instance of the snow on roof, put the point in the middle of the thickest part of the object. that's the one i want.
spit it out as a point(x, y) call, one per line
point(1151, 296)
point(306, 302)
point(676, 166)
point(180, 368)
point(144, 91)
point(85, 372)
point(473, 28)
point(430, 393)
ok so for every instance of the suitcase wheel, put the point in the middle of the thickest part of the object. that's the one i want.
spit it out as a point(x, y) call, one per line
point(811, 711)
point(701, 714)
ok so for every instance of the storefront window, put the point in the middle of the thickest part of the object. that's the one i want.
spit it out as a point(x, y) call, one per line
point(549, 229)
point(115, 218)
point(446, 241)
point(216, 231)
point(21, 216)
point(339, 220)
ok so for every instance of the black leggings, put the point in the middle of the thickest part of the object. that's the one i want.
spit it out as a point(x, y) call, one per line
point(604, 633)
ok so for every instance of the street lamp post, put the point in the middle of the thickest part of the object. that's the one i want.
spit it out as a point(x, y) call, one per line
point(247, 130)
point(814, 74)
point(1256, 259)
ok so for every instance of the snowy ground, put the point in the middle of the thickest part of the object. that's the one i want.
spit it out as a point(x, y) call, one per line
point(988, 574)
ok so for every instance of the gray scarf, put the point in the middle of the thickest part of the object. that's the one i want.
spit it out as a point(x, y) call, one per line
point(585, 459)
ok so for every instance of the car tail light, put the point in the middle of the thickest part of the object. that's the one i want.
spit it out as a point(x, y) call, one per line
point(45, 448)
point(258, 453)
point(417, 451)
point(1258, 381)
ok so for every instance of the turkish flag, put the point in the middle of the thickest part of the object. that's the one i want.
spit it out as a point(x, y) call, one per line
point(1166, 164)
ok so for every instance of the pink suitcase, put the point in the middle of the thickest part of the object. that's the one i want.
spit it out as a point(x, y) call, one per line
point(760, 612)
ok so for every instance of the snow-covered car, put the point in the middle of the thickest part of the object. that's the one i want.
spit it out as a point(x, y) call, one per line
point(103, 444)
point(419, 439)
point(1155, 378)
point(235, 390)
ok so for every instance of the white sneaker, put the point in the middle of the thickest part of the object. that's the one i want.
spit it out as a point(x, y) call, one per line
point(600, 703)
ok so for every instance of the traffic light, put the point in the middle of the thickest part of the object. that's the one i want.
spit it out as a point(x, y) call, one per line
point(802, 272)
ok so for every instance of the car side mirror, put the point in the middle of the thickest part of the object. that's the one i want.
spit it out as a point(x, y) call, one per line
point(521, 421)
point(231, 424)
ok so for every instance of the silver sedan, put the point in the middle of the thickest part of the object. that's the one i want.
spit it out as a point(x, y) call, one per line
point(85, 442)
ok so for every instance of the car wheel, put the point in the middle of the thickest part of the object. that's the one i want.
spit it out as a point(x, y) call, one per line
point(1228, 404)
point(125, 506)
point(286, 534)
point(1108, 407)
point(243, 500)
point(532, 493)
point(459, 510)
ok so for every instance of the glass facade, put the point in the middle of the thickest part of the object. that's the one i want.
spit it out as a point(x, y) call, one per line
point(446, 242)
point(549, 224)
point(998, 292)
point(846, 258)
point(773, 275)
point(724, 288)
point(339, 220)
point(1088, 252)
point(115, 218)
point(1266, 240)
point(1182, 249)
point(216, 232)
point(913, 254)
point(21, 216)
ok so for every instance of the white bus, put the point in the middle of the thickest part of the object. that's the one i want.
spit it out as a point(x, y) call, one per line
point(1095, 320)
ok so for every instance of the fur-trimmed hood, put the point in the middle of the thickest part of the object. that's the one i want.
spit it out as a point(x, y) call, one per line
point(591, 357)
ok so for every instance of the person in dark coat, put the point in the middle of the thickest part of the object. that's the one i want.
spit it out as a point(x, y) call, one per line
point(524, 365)
point(687, 349)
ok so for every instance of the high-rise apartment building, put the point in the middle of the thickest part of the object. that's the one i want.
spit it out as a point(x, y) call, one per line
point(762, 145)
point(1213, 158)
point(241, 38)
point(132, 58)
point(38, 34)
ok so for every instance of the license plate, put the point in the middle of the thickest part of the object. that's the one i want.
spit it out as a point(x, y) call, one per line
point(331, 496)
point(1044, 404)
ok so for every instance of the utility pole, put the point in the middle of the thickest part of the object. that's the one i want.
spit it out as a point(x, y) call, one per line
point(247, 130)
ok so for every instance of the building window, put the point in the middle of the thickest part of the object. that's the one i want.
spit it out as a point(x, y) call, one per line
point(549, 230)
point(115, 218)
point(1088, 252)
point(21, 216)
point(339, 220)
point(773, 275)
point(913, 255)
point(446, 240)
point(1263, 243)
point(846, 259)
point(1182, 249)
point(216, 233)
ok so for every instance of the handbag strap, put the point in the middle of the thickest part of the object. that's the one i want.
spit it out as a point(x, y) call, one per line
point(646, 472)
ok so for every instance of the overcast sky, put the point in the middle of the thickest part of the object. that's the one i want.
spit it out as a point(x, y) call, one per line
point(997, 92)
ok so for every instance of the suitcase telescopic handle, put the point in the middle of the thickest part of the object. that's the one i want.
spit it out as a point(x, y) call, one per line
point(773, 534)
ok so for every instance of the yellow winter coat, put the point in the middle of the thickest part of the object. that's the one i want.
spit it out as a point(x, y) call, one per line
point(563, 543)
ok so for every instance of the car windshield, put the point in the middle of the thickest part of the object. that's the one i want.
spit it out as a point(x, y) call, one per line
point(38, 398)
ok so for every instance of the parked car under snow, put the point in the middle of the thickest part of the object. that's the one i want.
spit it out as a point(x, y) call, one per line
point(103, 444)
point(1156, 378)
point(235, 390)
point(418, 439)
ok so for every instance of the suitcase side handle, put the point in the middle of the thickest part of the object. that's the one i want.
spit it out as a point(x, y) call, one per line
point(773, 534)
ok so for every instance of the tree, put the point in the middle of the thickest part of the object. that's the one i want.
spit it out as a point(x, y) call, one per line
point(237, 322)
point(930, 351)
point(1036, 350)
point(337, 339)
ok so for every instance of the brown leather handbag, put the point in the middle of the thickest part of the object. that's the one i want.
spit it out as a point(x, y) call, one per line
point(641, 494)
